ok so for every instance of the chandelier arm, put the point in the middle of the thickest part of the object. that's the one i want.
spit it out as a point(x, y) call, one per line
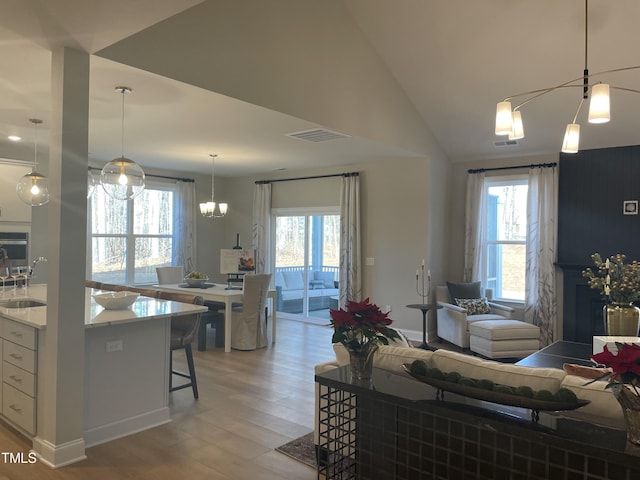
point(541, 92)
point(633, 90)
point(578, 110)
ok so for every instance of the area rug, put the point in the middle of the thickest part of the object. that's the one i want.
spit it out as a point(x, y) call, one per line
point(301, 449)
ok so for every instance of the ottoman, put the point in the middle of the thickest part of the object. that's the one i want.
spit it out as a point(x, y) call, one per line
point(504, 338)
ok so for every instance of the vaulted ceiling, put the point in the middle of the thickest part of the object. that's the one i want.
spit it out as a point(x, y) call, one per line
point(400, 78)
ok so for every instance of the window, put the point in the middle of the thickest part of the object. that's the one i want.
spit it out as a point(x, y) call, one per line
point(506, 220)
point(129, 239)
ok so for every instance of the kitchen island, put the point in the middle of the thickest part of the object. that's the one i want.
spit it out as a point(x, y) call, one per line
point(126, 371)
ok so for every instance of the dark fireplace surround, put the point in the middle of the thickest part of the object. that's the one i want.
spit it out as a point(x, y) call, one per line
point(593, 185)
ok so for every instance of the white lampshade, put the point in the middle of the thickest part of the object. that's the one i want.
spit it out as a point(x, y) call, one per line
point(33, 189)
point(517, 130)
point(213, 209)
point(504, 119)
point(571, 138)
point(122, 179)
point(599, 104)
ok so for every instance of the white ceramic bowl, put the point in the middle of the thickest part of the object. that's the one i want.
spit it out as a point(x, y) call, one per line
point(116, 300)
point(196, 282)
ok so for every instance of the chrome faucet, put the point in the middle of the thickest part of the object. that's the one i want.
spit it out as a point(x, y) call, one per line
point(32, 268)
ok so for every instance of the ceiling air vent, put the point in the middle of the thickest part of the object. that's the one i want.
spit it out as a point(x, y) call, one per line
point(504, 143)
point(317, 135)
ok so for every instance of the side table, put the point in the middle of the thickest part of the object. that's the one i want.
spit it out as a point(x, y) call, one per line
point(425, 308)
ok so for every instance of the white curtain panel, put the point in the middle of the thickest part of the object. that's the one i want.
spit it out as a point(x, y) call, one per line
point(542, 223)
point(475, 229)
point(350, 249)
point(261, 230)
point(184, 252)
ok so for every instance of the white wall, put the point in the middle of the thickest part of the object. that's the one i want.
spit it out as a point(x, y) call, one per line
point(404, 219)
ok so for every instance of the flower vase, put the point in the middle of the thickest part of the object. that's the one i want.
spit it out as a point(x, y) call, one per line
point(621, 319)
point(361, 361)
point(630, 404)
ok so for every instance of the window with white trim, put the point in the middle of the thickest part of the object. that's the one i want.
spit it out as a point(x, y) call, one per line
point(129, 239)
point(506, 240)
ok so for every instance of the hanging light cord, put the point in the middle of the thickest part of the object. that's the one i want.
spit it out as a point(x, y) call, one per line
point(35, 122)
point(213, 159)
point(122, 90)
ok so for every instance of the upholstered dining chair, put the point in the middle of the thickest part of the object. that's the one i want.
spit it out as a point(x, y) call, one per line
point(249, 321)
point(168, 275)
point(183, 332)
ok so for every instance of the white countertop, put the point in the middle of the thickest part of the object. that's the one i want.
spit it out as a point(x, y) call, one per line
point(144, 308)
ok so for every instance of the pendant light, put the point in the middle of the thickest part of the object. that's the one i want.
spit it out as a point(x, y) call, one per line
point(33, 188)
point(509, 121)
point(122, 178)
point(212, 209)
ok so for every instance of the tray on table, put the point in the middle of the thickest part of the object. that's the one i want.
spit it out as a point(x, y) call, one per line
point(494, 397)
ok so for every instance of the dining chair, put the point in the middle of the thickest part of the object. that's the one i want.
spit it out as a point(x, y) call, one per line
point(248, 321)
point(168, 275)
point(183, 332)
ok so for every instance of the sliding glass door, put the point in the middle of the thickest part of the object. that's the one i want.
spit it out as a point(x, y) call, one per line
point(307, 246)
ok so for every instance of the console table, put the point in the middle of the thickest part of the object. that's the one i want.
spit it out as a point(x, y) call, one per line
point(395, 429)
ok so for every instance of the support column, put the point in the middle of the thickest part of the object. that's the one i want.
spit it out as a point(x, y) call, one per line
point(59, 439)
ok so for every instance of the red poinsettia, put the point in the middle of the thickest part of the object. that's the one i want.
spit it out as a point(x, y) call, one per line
point(625, 364)
point(361, 323)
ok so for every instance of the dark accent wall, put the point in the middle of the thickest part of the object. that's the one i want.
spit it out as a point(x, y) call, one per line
point(593, 186)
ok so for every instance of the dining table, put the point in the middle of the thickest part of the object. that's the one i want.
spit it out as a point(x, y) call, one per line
point(224, 294)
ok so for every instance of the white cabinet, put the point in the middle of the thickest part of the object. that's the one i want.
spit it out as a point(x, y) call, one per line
point(12, 209)
point(19, 374)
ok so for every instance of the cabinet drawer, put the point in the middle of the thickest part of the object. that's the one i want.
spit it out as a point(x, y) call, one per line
point(19, 333)
point(19, 378)
point(19, 408)
point(19, 356)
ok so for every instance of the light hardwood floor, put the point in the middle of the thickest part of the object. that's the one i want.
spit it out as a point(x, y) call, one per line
point(250, 403)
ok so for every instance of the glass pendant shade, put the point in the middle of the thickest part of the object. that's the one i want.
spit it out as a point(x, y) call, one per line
point(33, 189)
point(122, 178)
point(571, 138)
point(517, 132)
point(213, 209)
point(599, 104)
point(504, 119)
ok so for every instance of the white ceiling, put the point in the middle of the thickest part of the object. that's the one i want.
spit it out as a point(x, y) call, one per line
point(454, 59)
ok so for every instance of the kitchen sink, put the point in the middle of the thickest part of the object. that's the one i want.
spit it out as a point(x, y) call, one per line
point(22, 303)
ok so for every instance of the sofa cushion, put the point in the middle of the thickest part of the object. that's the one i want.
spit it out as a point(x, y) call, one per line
point(293, 280)
point(474, 306)
point(464, 290)
point(502, 373)
point(279, 280)
point(326, 277)
point(388, 357)
point(603, 403)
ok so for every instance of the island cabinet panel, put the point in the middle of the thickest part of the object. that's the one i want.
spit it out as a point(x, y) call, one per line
point(19, 374)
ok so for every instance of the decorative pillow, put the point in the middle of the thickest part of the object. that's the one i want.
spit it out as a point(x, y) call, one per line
point(464, 290)
point(474, 306)
point(326, 277)
point(293, 280)
point(315, 284)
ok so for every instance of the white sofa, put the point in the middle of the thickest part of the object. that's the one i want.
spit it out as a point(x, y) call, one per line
point(603, 407)
point(290, 287)
point(453, 321)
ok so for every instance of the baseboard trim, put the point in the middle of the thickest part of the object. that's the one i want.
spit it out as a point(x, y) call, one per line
point(56, 456)
point(122, 428)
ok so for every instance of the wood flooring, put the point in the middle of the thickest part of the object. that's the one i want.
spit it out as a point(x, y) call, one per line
point(250, 403)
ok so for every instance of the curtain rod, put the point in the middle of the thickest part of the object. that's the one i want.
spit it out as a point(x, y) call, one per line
point(533, 165)
point(352, 174)
point(190, 180)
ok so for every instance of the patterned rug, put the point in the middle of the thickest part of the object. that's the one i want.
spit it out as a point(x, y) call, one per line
point(301, 449)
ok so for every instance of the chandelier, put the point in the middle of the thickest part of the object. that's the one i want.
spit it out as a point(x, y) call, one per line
point(122, 178)
point(212, 209)
point(509, 121)
point(33, 188)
